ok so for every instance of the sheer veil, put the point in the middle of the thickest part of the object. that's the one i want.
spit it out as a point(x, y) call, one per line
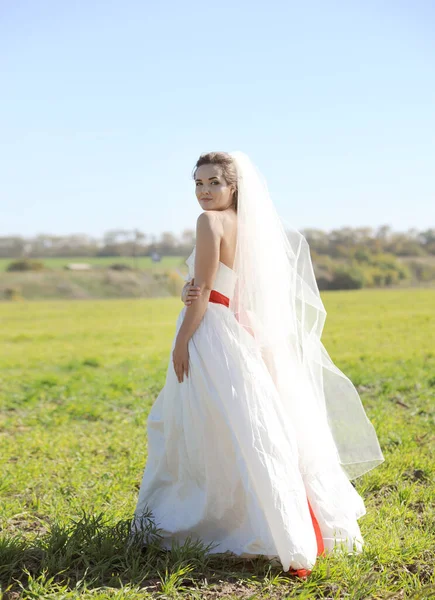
point(277, 300)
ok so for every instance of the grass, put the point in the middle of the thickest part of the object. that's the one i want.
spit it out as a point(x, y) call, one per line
point(141, 262)
point(77, 381)
point(145, 280)
point(103, 283)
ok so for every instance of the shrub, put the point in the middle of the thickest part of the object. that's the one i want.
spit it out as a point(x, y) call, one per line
point(25, 264)
point(120, 267)
point(346, 278)
point(374, 277)
point(379, 269)
point(422, 271)
point(362, 255)
point(384, 261)
point(13, 293)
point(174, 283)
point(404, 272)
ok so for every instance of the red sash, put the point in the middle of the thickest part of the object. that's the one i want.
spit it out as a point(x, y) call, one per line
point(219, 298)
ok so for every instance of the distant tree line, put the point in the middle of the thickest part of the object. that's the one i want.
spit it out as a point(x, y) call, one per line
point(346, 258)
point(117, 242)
point(344, 243)
point(347, 241)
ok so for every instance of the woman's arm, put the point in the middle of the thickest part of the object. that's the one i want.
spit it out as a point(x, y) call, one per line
point(208, 239)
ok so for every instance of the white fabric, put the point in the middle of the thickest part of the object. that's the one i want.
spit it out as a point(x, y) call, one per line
point(223, 458)
point(224, 281)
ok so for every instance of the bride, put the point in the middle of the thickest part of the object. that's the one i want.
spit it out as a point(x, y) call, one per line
point(255, 436)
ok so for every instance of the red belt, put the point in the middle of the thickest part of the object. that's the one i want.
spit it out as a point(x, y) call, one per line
point(219, 298)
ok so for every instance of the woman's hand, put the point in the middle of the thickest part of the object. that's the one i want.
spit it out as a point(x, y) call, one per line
point(180, 359)
point(190, 292)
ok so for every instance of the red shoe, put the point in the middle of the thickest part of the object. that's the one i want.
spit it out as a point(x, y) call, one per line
point(301, 573)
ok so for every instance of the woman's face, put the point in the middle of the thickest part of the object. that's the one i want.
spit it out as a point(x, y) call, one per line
point(212, 190)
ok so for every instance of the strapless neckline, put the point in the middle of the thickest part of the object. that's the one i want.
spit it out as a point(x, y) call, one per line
point(227, 267)
point(220, 262)
point(225, 279)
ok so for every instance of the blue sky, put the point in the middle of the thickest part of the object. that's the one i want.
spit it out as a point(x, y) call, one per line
point(105, 107)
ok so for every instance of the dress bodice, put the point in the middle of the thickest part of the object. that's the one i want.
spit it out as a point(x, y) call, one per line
point(225, 279)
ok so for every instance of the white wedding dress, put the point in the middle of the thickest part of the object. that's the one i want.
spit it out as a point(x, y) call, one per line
point(223, 463)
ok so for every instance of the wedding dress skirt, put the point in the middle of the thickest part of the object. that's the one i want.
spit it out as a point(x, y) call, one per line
point(223, 463)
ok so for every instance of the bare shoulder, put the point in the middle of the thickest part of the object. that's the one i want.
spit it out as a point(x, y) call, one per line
point(210, 220)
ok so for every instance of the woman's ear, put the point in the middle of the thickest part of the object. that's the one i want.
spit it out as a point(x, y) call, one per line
point(234, 192)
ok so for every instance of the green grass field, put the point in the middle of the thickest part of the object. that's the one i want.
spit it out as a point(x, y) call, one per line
point(77, 381)
point(142, 262)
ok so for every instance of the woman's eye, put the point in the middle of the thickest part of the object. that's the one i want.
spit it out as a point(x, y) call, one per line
point(216, 182)
point(198, 183)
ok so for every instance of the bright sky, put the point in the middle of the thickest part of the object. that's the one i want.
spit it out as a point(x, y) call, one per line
point(106, 105)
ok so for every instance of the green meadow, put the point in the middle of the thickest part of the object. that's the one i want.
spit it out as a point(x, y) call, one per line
point(141, 262)
point(77, 380)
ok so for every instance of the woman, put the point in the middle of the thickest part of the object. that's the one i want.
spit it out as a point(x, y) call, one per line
point(256, 433)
